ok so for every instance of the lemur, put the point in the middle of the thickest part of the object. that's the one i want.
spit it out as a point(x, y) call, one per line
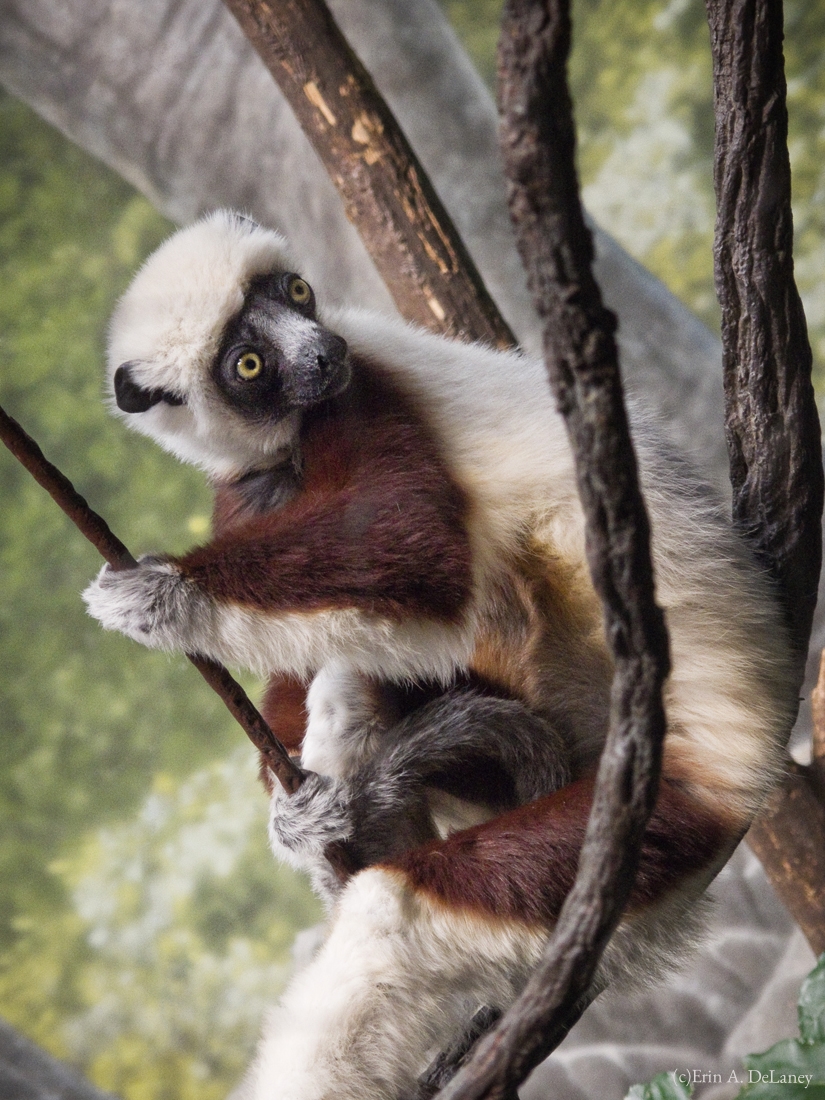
point(397, 526)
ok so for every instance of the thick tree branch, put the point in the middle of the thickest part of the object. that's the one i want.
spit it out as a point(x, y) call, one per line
point(539, 144)
point(771, 419)
point(770, 413)
point(789, 839)
point(386, 192)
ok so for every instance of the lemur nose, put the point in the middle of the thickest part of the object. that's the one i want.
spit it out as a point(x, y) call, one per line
point(332, 353)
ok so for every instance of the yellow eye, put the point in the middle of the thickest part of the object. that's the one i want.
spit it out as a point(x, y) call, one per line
point(299, 290)
point(249, 365)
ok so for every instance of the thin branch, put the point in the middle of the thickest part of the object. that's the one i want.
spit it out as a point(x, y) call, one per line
point(386, 192)
point(98, 532)
point(770, 415)
point(539, 144)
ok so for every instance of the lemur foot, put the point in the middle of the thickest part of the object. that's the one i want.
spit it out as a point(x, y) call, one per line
point(302, 826)
point(152, 603)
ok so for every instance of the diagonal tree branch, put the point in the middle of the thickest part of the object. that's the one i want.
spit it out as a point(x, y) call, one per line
point(386, 192)
point(98, 532)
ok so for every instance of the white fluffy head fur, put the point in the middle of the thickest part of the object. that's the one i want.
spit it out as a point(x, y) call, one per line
point(168, 325)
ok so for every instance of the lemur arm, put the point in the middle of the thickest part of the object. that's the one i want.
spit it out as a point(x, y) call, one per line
point(377, 527)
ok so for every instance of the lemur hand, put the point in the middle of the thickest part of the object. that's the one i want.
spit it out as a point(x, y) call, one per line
point(151, 603)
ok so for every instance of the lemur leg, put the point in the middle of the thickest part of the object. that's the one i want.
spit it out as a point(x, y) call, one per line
point(464, 756)
point(420, 941)
point(397, 979)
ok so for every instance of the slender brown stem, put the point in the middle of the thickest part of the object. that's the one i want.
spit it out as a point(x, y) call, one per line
point(386, 192)
point(61, 490)
point(98, 532)
point(538, 144)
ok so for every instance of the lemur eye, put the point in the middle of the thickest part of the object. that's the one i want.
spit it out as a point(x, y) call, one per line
point(299, 290)
point(249, 365)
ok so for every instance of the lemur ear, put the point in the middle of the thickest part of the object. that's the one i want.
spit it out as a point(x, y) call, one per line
point(133, 398)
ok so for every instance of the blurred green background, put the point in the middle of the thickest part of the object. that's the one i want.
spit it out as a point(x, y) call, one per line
point(143, 925)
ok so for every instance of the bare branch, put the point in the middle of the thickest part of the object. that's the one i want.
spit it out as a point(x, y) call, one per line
point(556, 247)
point(771, 419)
point(386, 192)
point(97, 531)
point(789, 839)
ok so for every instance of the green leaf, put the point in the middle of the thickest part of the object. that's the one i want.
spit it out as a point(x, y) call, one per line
point(794, 1066)
point(812, 1005)
point(790, 1058)
point(665, 1086)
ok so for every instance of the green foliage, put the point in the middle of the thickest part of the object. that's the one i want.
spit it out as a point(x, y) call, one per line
point(640, 74)
point(797, 1066)
point(811, 1008)
point(665, 1086)
point(793, 1069)
point(98, 734)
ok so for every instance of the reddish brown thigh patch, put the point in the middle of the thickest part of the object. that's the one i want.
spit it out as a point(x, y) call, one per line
point(521, 866)
point(284, 709)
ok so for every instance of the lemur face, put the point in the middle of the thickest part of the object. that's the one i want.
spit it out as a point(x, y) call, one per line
point(274, 357)
point(216, 349)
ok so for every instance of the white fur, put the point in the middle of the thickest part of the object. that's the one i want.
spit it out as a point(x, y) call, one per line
point(183, 618)
point(342, 732)
point(398, 975)
point(392, 985)
point(169, 323)
point(302, 825)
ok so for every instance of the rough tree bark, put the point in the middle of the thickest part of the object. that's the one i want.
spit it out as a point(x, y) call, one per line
point(771, 420)
point(387, 194)
point(538, 141)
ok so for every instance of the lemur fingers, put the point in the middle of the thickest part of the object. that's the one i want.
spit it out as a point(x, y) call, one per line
point(151, 603)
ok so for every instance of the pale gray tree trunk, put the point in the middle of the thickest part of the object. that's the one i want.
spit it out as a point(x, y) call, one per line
point(27, 1072)
point(169, 93)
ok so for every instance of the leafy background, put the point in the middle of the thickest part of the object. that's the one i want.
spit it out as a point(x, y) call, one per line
point(140, 913)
